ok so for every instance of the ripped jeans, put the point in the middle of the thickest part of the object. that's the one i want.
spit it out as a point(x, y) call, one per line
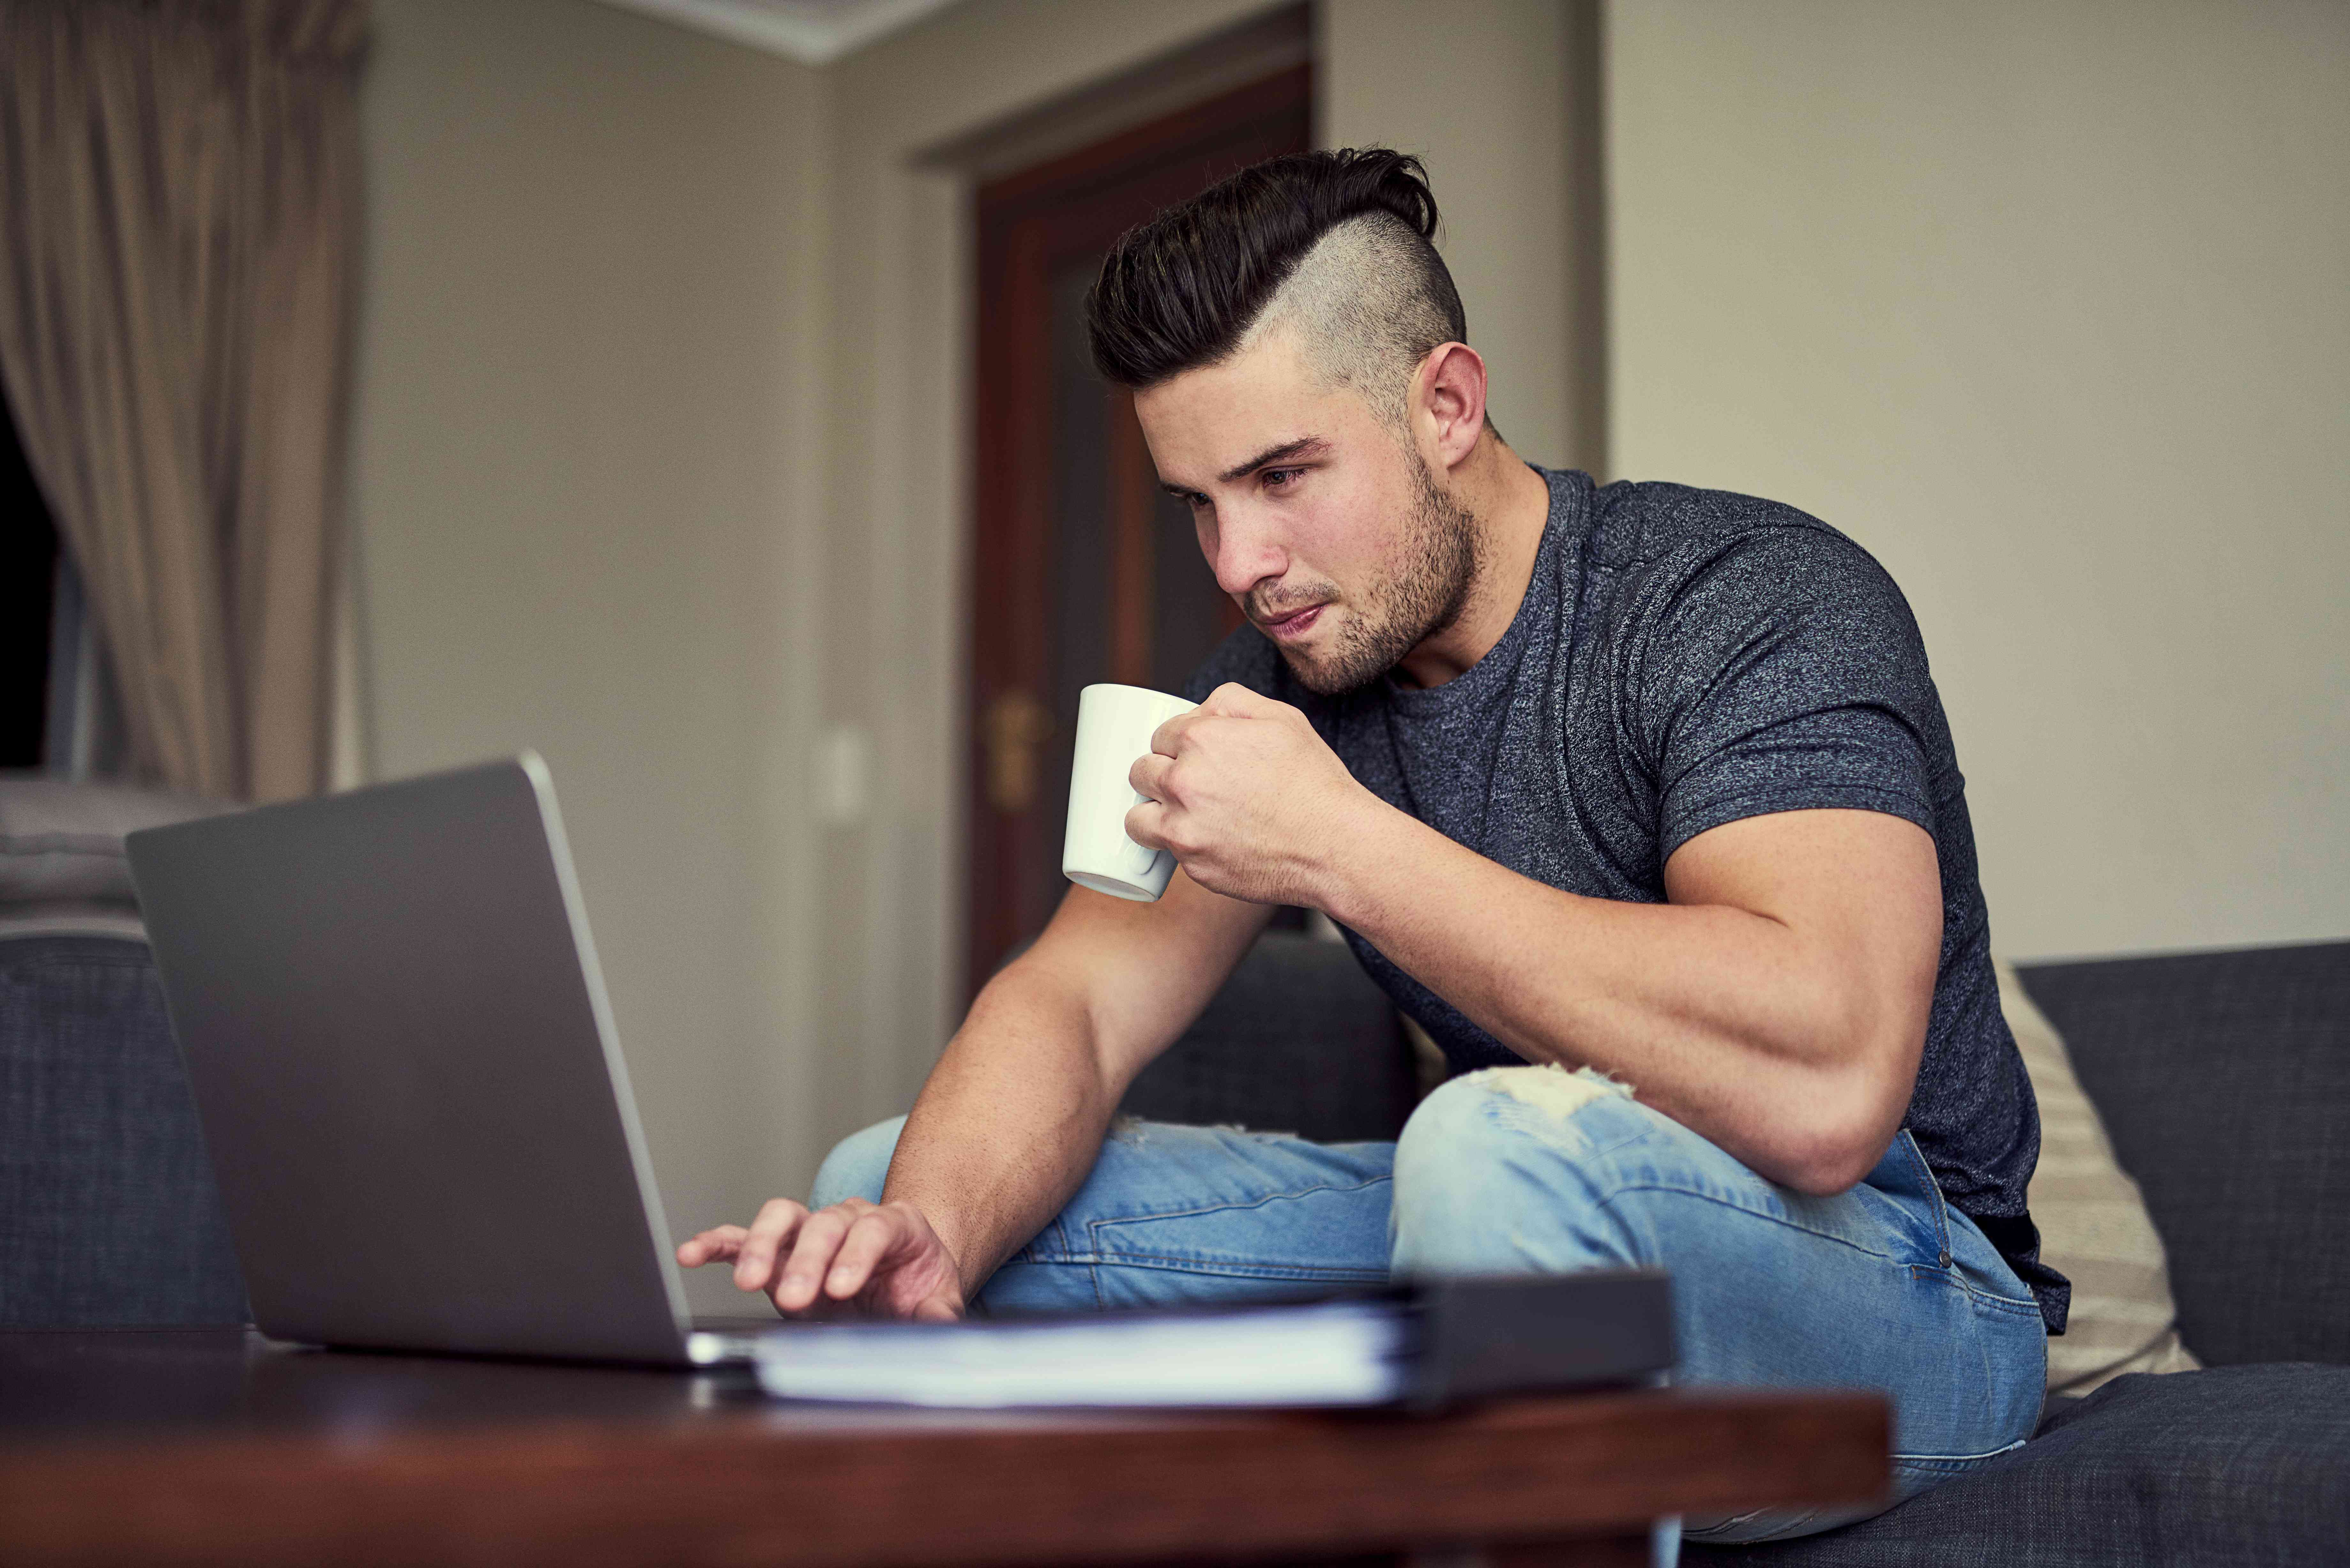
point(1532, 1169)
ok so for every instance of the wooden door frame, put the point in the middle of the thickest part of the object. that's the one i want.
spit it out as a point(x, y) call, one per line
point(1025, 224)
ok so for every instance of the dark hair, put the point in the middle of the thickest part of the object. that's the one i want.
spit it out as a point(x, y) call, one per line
point(1178, 291)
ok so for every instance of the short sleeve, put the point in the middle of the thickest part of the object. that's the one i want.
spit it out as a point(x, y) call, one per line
point(1784, 671)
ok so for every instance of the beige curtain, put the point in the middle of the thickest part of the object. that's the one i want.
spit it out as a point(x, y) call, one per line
point(181, 183)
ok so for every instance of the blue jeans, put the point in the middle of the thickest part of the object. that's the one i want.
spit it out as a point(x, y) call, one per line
point(1532, 1169)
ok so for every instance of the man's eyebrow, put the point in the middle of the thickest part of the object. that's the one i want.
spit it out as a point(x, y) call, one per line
point(1303, 446)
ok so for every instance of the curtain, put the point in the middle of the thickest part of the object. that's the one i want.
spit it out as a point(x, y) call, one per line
point(180, 183)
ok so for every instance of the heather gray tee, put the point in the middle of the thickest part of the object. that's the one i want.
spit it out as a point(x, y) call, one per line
point(1683, 659)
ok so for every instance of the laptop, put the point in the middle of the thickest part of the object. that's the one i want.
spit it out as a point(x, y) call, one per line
point(408, 1078)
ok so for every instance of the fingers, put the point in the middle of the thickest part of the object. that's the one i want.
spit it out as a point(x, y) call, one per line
point(1229, 701)
point(755, 1260)
point(1234, 698)
point(1164, 739)
point(819, 1238)
point(800, 1259)
point(872, 1236)
point(713, 1246)
point(1148, 776)
point(1147, 825)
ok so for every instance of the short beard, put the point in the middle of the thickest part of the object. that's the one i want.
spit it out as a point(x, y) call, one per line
point(1421, 599)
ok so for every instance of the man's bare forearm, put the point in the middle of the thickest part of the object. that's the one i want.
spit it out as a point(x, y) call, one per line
point(1787, 1032)
point(1009, 1123)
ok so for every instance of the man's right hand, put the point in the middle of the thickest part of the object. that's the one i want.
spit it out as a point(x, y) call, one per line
point(853, 1259)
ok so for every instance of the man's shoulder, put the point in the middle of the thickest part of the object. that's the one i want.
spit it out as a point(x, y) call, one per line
point(1660, 541)
point(1641, 522)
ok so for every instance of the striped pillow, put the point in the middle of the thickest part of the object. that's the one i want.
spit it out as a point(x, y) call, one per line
point(2093, 1227)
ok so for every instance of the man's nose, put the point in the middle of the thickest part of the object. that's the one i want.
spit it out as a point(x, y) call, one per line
point(1245, 554)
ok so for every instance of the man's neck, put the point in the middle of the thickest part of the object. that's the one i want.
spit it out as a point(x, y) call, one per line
point(1511, 503)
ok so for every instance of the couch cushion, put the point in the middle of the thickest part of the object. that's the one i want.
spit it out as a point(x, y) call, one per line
point(1300, 1040)
point(2224, 1081)
point(61, 843)
point(2205, 1470)
point(2093, 1227)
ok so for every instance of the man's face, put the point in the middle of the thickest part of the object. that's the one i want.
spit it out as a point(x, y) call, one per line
point(1327, 529)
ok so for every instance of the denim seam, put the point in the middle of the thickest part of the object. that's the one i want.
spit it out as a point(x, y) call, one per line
point(1096, 1258)
point(1031, 1254)
point(1942, 1234)
point(1956, 1459)
point(1095, 1225)
point(1784, 1528)
point(1608, 1202)
point(2019, 1307)
point(1174, 1265)
point(1941, 1207)
point(1951, 1276)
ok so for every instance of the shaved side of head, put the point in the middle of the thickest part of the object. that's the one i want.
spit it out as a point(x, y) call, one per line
point(1339, 245)
point(1361, 310)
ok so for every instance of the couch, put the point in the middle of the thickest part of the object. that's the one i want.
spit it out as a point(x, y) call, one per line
point(2225, 1082)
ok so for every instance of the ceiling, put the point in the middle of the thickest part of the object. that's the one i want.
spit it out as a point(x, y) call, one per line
point(810, 31)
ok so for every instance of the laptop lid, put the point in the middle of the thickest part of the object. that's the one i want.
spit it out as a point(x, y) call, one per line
point(406, 1071)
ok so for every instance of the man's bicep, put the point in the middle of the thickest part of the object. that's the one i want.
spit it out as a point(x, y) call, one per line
point(1862, 888)
point(1146, 970)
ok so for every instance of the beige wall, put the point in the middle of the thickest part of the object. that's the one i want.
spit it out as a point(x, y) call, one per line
point(1478, 91)
point(583, 448)
point(2048, 307)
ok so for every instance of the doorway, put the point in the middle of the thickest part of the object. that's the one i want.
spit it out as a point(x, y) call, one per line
point(1082, 570)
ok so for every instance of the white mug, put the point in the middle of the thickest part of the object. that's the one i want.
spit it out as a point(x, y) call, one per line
point(1115, 724)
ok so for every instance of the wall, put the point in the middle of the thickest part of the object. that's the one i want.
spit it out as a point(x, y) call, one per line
point(1481, 95)
point(585, 434)
point(2047, 306)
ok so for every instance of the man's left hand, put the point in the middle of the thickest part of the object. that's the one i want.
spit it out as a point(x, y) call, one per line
point(1251, 800)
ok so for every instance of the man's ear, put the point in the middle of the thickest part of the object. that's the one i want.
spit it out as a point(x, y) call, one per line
point(1449, 401)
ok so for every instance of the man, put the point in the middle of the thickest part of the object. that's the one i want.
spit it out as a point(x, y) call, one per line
point(1639, 798)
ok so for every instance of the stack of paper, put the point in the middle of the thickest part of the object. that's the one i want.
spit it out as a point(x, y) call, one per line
point(1323, 1353)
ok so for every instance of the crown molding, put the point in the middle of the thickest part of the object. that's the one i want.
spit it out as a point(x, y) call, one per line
point(809, 31)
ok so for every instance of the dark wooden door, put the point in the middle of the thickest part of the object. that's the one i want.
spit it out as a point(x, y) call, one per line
point(1083, 570)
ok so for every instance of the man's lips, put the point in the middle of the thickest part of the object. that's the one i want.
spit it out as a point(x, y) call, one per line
point(1296, 623)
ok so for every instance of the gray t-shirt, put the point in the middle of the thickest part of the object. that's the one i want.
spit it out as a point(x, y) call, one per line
point(1683, 659)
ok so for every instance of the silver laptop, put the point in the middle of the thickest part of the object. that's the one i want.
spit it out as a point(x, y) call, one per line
point(408, 1078)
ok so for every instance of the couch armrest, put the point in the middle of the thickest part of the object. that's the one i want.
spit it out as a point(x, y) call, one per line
point(107, 1196)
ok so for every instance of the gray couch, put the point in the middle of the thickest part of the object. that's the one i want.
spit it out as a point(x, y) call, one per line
point(2224, 1079)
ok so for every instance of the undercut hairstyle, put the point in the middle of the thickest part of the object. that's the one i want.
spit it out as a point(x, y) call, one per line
point(1337, 246)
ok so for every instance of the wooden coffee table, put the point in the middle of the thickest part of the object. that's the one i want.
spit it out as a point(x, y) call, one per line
point(216, 1446)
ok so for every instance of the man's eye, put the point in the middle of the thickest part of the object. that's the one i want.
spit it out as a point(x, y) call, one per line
point(1281, 478)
